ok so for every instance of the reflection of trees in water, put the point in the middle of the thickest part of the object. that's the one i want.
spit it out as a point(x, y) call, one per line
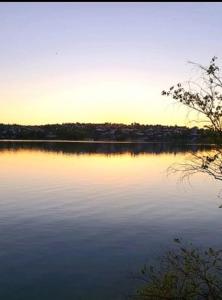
point(79, 148)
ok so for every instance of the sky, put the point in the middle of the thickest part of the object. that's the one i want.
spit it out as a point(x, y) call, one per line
point(101, 62)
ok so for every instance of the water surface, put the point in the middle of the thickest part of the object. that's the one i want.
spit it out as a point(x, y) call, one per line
point(77, 218)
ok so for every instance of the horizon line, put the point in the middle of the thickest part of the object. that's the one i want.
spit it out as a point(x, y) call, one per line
point(94, 123)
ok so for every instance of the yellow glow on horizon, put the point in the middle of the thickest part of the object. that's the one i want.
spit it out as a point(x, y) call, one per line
point(89, 98)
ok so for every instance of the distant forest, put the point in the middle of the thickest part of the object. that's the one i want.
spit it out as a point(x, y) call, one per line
point(108, 132)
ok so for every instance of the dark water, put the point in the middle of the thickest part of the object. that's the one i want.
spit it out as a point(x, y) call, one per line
point(76, 219)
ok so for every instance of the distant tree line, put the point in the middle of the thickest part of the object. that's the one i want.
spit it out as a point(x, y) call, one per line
point(108, 132)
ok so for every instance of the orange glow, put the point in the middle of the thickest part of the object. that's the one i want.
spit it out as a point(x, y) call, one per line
point(98, 168)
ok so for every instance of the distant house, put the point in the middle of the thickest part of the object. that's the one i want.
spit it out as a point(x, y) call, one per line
point(51, 136)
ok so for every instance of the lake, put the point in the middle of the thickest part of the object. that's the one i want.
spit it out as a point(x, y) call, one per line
point(78, 219)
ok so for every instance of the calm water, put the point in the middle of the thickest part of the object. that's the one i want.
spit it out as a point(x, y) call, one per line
point(76, 219)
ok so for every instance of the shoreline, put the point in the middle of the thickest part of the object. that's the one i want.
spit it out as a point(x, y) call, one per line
point(105, 142)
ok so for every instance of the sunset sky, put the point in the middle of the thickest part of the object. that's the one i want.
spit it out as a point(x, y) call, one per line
point(101, 62)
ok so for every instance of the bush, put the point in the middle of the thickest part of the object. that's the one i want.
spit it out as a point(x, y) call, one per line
point(185, 273)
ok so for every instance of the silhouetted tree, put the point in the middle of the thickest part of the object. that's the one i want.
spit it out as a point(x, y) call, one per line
point(203, 95)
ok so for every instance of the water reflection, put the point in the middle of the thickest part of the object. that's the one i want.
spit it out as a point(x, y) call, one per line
point(77, 218)
point(103, 148)
point(209, 163)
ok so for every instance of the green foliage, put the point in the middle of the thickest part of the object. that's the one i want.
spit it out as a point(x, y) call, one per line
point(186, 273)
point(203, 95)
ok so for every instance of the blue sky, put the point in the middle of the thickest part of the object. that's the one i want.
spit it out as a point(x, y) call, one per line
point(98, 62)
